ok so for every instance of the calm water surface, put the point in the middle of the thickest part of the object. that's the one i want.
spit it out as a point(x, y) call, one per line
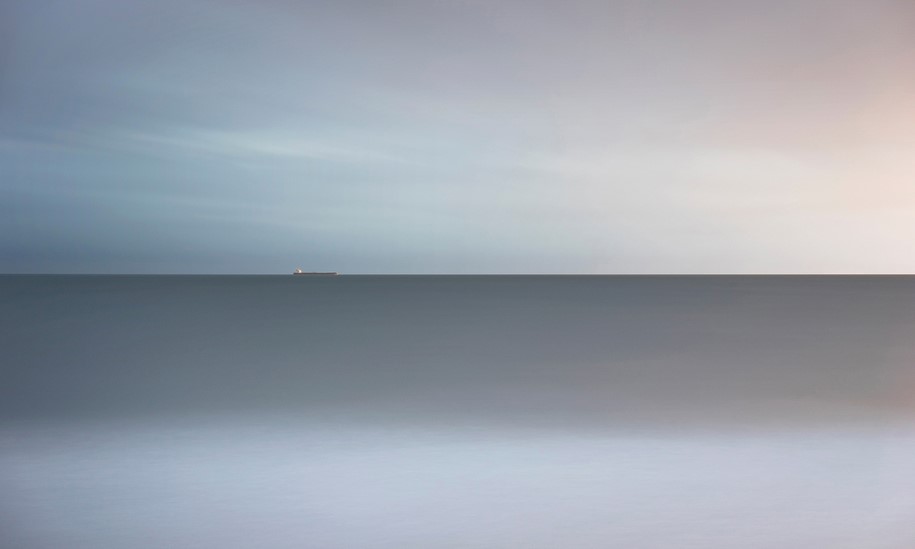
point(490, 412)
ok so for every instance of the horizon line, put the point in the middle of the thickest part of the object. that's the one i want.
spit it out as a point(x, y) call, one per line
point(341, 274)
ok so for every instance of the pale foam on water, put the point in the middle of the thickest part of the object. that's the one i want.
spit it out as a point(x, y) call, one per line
point(484, 412)
point(268, 483)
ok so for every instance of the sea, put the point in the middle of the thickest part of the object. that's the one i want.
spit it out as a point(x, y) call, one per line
point(400, 412)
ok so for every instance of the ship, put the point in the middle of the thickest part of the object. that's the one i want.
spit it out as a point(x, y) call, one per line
point(300, 272)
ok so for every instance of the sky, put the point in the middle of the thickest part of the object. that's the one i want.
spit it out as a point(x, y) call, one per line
point(709, 136)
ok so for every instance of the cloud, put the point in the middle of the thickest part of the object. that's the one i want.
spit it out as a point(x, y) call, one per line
point(624, 136)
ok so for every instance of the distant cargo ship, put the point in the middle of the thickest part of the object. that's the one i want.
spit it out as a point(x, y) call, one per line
point(303, 273)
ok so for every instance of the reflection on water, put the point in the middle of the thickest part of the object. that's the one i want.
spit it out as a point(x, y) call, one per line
point(400, 412)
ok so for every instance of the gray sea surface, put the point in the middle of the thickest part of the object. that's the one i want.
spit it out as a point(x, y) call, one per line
point(457, 411)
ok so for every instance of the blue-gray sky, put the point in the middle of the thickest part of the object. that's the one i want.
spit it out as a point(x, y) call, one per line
point(576, 136)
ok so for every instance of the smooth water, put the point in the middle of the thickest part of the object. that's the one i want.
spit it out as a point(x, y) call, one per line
point(401, 412)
